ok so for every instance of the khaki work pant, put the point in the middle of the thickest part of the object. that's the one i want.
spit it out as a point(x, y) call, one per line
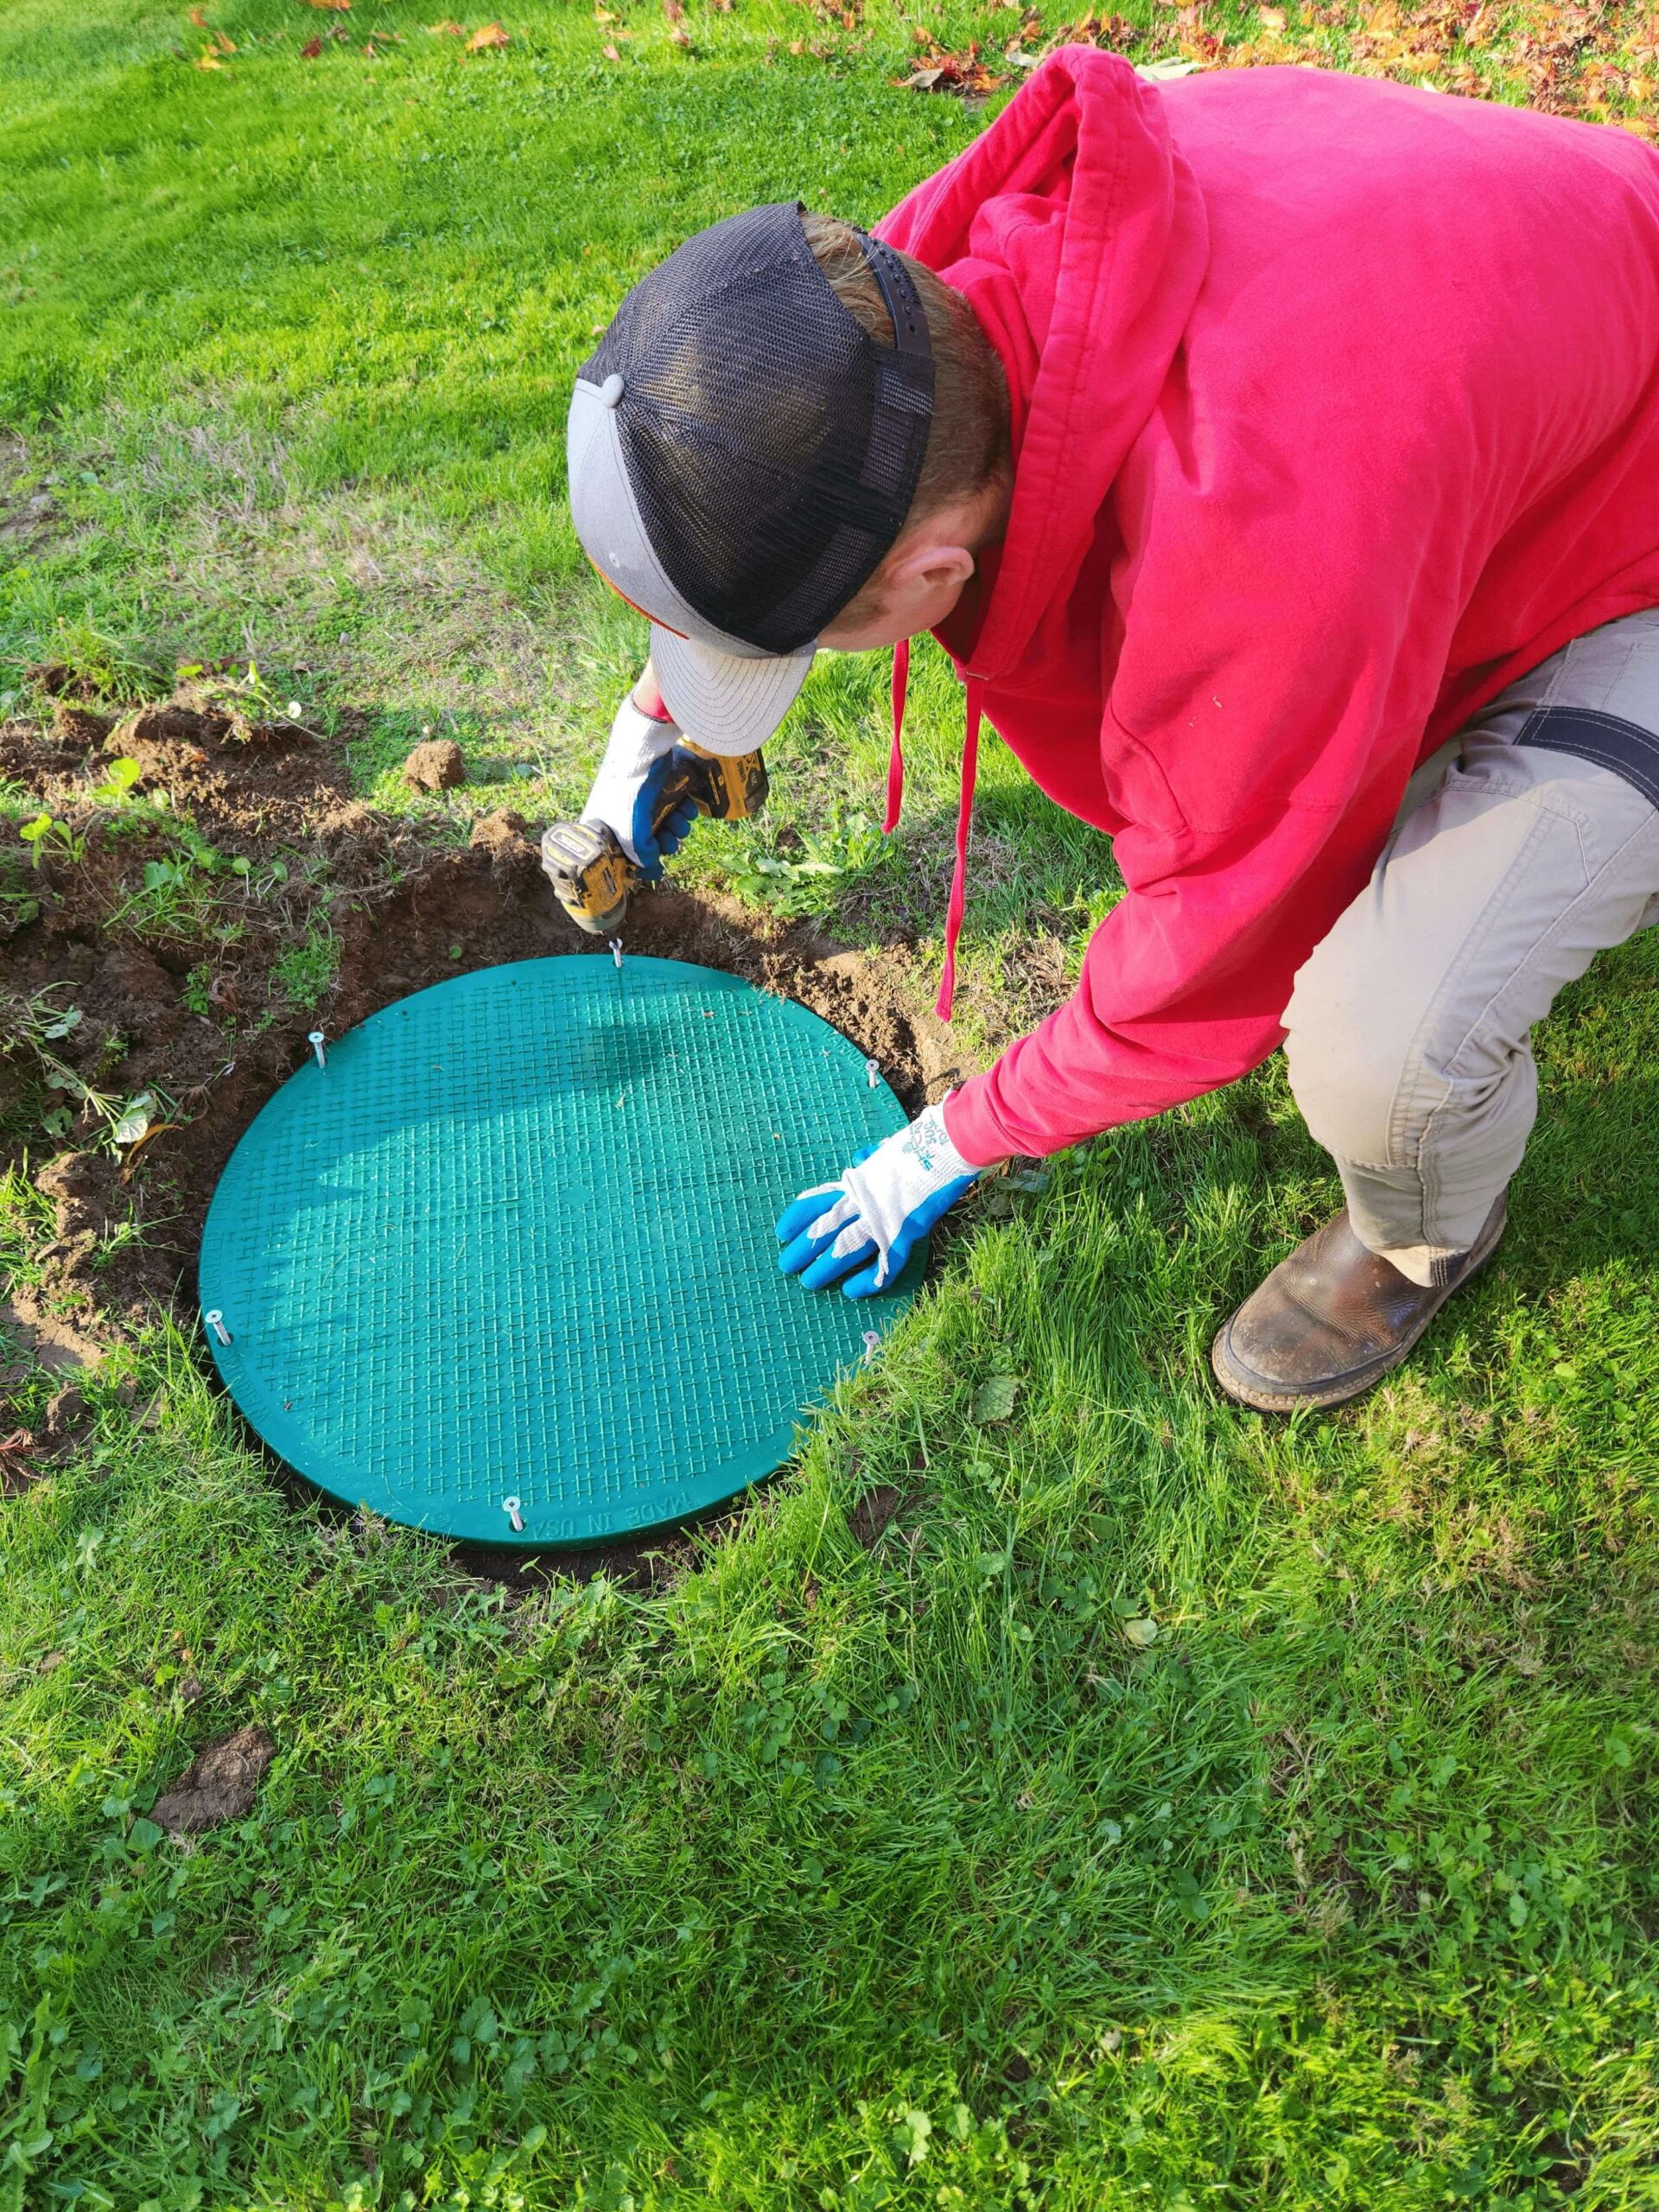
point(1511, 864)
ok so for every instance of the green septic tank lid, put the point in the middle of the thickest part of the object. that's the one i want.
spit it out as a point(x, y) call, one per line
point(504, 1266)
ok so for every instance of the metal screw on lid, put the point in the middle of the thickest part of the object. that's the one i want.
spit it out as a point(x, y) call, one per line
point(612, 390)
point(510, 1507)
point(215, 1321)
point(872, 1073)
point(315, 1039)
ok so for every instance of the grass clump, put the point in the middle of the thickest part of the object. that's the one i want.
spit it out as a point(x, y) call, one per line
point(303, 972)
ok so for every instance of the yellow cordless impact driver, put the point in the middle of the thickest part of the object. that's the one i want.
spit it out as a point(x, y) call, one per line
point(592, 878)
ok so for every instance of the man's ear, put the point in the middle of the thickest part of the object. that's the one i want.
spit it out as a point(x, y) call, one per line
point(932, 566)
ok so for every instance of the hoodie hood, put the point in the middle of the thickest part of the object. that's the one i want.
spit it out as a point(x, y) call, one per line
point(1077, 232)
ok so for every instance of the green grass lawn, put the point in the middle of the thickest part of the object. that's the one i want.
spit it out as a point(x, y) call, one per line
point(1078, 1795)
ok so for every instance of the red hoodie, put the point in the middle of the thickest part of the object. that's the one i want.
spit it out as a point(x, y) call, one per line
point(1335, 409)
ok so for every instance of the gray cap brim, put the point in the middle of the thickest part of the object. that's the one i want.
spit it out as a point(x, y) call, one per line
point(728, 696)
point(726, 702)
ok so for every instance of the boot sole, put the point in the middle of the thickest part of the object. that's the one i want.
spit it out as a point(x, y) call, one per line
point(1358, 1380)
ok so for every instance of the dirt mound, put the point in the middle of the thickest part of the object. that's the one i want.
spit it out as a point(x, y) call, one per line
point(236, 779)
point(220, 1783)
point(437, 765)
point(179, 939)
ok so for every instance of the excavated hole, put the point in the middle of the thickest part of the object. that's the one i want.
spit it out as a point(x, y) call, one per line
point(402, 917)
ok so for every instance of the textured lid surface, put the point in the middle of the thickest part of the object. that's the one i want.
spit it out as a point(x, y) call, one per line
point(515, 1241)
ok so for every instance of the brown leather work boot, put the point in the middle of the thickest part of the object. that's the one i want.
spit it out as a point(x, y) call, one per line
point(1332, 1319)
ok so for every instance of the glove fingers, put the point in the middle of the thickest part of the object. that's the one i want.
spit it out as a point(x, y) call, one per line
point(818, 1241)
point(832, 1231)
point(800, 1252)
point(832, 1265)
point(672, 833)
point(889, 1267)
point(811, 1206)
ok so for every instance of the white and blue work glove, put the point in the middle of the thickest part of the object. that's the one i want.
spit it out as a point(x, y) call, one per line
point(860, 1230)
point(628, 790)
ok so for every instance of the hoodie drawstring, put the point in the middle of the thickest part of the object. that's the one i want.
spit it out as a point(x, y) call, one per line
point(946, 998)
point(975, 707)
point(896, 757)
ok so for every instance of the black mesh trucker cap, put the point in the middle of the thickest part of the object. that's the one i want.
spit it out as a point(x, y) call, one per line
point(742, 454)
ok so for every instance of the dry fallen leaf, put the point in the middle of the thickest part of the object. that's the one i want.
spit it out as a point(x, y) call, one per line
point(605, 16)
point(610, 54)
point(208, 59)
point(311, 49)
point(941, 71)
point(198, 19)
point(17, 1470)
point(134, 1149)
point(674, 10)
point(1271, 19)
point(224, 44)
point(338, 7)
point(491, 34)
point(680, 35)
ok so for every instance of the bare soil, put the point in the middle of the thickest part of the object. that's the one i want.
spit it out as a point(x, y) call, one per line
point(405, 910)
point(220, 1783)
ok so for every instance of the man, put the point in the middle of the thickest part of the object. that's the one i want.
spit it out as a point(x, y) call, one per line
point(1277, 455)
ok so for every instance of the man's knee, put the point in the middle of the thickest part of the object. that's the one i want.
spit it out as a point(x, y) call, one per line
point(1354, 1045)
